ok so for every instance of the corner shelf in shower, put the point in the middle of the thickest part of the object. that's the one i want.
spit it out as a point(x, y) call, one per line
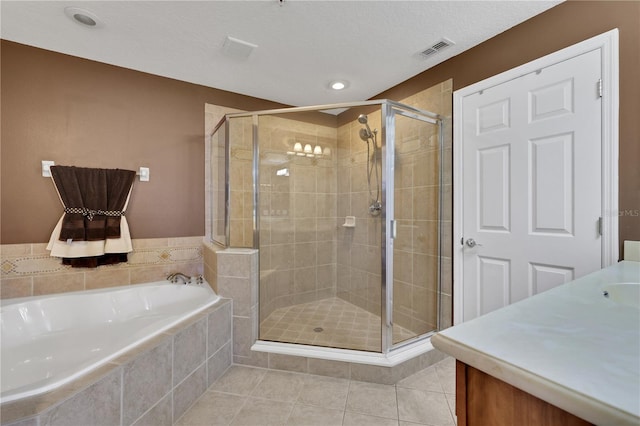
point(349, 222)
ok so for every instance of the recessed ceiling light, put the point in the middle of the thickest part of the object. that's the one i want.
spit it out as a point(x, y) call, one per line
point(82, 17)
point(338, 84)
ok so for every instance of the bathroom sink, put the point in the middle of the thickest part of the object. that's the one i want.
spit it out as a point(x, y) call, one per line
point(623, 293)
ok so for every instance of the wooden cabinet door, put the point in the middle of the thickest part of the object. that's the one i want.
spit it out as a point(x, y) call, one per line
point(483, 400)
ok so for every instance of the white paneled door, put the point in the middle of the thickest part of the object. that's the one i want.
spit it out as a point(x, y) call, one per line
point(531, 153)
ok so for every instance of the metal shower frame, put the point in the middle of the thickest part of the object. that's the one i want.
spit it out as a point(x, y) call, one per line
point(389, 109)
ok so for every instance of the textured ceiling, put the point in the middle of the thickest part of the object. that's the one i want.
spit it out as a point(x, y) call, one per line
point(301, 45)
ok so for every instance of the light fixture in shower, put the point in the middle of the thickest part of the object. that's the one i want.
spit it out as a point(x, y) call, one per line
point(82, 17)
point(310, 151)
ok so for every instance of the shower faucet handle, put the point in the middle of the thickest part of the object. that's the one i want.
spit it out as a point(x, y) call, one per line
point(375, 208)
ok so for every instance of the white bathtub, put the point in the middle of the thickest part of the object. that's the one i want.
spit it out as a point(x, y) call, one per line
point(48, 341)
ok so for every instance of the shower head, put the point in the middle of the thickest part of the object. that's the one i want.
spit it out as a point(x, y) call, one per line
point(365, 134)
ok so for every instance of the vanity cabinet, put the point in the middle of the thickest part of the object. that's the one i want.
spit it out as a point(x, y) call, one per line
point(482, 400)
point(575, 346)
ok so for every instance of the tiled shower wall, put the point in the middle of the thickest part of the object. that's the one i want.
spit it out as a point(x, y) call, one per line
point(215, 175)
point(423, 194)
point(29, 270)
point(297, 213)
point(241, 182)
point(416, 209)
point(358, 248)
point(438, 99)
point(297, 209)
point(415, 253)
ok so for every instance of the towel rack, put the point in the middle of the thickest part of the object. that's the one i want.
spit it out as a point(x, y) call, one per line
point(142, 173)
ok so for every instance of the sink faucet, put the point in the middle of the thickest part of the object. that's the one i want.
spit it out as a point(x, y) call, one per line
point(178, 276)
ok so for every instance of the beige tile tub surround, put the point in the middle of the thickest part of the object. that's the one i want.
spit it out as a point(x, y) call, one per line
point(29, 270)
point(237, 278)
point(154, 383)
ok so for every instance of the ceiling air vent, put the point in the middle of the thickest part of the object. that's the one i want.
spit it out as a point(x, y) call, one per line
point(236, 48)
point(436, 47)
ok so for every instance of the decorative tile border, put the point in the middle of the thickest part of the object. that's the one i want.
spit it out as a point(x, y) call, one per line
point(32, 265)
point(24, 268)
point(165, 255)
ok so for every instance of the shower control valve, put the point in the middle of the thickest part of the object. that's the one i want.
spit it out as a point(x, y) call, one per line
point(375, 208)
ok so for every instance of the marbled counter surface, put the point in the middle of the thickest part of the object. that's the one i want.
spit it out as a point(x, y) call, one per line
point(569, 346)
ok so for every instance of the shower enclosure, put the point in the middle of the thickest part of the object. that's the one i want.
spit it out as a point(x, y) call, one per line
point(343, 203)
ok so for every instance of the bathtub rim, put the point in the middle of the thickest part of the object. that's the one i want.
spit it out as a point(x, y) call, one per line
point(104, 362)
point(39, 405)
point(14, 300)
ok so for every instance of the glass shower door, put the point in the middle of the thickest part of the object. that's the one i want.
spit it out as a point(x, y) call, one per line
point(345, 213)
point(319, 271)
point(414, 224)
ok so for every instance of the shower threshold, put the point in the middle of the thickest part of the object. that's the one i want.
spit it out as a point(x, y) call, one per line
point(395, 357)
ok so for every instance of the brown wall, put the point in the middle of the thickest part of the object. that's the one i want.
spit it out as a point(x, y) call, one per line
point(79, 112)
point(559, 27)
point(84, 113)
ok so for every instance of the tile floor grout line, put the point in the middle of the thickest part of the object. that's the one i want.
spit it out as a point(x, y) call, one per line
point(395, 388)
point(246, 399)
point(293, 406)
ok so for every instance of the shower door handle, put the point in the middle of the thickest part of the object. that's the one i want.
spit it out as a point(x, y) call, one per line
point(394, 229)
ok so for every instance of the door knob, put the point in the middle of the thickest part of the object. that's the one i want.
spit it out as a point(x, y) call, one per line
point(472, 243)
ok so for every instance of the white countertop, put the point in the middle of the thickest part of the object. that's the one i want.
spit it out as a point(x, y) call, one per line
point(569, 346)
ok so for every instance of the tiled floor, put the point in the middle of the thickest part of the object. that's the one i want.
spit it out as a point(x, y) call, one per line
point(253, 396)
point(343, 325)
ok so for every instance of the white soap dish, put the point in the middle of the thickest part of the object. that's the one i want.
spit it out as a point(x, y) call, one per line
point(349, 222)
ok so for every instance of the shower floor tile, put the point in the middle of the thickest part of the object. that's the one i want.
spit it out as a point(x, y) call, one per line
point(331, 322)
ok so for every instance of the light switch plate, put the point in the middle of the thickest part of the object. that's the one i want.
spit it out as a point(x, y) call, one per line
point(144, 174)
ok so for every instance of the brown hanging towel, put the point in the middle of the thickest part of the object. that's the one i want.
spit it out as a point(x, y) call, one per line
point(94, 202)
